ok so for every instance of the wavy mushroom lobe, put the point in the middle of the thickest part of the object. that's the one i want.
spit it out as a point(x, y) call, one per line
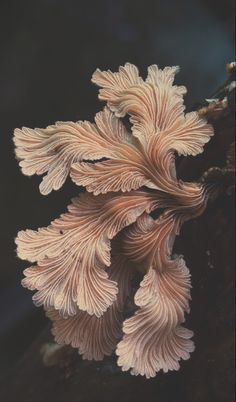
point(77, 149)
point(96, 337)
point(154, 338)
point(73, 252)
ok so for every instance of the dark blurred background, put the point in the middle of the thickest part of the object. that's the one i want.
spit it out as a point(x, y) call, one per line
point(49, 50)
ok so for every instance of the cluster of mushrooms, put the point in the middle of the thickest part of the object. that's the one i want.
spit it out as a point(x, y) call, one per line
point(84, 261)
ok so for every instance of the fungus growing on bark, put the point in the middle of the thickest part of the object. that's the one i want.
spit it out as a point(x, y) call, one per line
point(85, 259)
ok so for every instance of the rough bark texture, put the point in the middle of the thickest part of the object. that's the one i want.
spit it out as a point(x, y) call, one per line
point(208, 246)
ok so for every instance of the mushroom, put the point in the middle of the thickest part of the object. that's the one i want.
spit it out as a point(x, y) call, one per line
point(84, 260)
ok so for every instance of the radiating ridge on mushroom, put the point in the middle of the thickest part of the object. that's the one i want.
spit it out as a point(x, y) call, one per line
point(72, 253)
point(84, 259)
point(96, 337)
point(154, 338)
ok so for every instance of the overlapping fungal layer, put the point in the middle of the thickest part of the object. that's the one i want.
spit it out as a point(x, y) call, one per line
point(96, 337)
point(82, 276)
point(155, 330)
